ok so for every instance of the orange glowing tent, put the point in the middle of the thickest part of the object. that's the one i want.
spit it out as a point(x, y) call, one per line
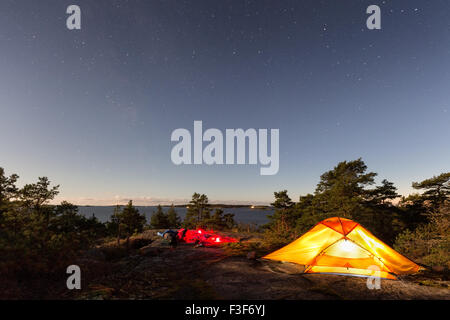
point(342, 246)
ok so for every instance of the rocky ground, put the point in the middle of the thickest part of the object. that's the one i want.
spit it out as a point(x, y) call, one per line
point(155, 271)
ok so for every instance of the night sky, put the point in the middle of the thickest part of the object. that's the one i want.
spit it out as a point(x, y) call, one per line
point(93, 109)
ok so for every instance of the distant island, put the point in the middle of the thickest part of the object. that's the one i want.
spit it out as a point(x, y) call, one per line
point(212, 205)
point(221, 205)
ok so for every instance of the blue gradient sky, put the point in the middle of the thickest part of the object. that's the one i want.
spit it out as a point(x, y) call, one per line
point(94, 109)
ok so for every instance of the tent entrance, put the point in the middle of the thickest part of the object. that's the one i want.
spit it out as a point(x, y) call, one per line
point(345, 257)
point(346, 249)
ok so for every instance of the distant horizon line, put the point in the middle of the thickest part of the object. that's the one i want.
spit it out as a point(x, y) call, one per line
point(149, 202)
point(169, 205)
point(143, 202)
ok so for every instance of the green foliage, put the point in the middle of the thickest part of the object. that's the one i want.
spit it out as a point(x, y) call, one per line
point(387, 191)
point(282, 200)
point(37, 194)
point(77, 228)
point(275, 239)
point(36, 237)
point(127, 221)
point(159, 219)
point(220, 221)
point(282, 221)
point(429, 243)
point(199, 215)
point(8, 190)
point(413, 211)
point(437, 189)
point(112, 226)
point(173, 220)
point(341, 191)
point(198, 211)
point(346, 191)
point(243, 227)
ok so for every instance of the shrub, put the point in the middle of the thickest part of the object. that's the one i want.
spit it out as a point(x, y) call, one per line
point(429, 243)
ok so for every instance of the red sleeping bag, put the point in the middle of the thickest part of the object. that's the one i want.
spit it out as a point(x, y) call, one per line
point(204, 237)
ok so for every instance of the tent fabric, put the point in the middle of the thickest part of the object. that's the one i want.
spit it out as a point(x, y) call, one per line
point(339, 245)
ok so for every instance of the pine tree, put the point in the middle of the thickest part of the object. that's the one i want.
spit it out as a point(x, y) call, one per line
point(197, 212)
point(437, 189)
point(131, 221)
point(114, 225)
point(158, 219)
point(173, 220)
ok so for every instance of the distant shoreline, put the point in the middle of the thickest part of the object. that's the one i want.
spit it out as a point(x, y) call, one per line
point(218, 205)
point(250, 214)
